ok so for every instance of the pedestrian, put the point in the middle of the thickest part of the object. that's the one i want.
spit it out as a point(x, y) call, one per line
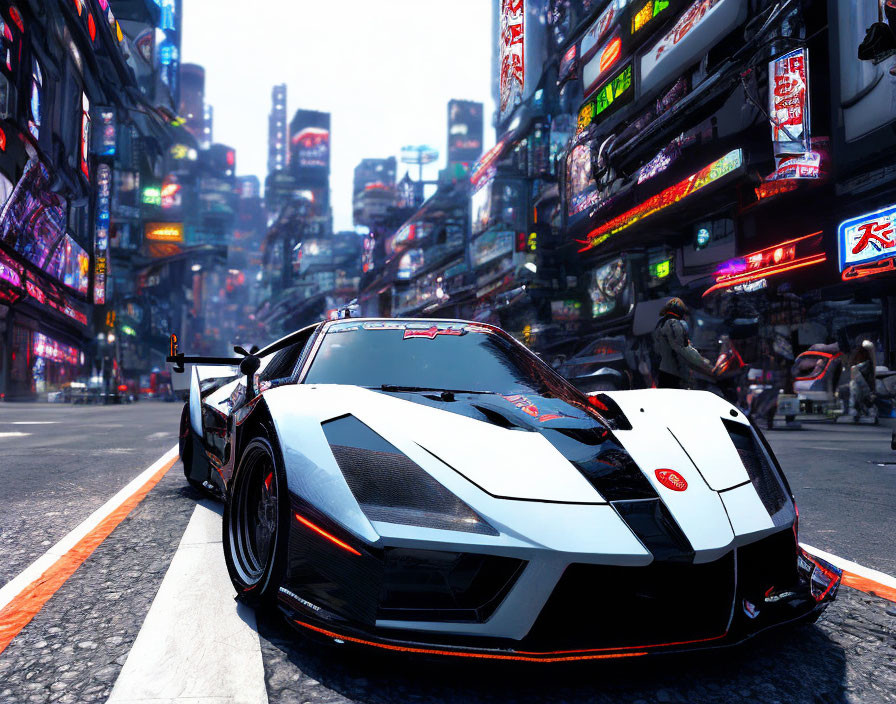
point(862, 382)
point(677, 357)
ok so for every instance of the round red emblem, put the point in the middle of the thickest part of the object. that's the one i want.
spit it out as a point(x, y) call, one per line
point(671, 479)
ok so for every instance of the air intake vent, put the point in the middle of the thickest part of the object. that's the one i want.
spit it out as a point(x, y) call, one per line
point(763, 476)
point(390, 487)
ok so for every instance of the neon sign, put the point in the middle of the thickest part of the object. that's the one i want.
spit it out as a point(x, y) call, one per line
point(164, 232)
point(778, 259)
point(672, 195)
point(48, 348)
point(613, 94)
point(867, 244)
point(512, 67)
point(101, 239)
point(601, 62)
point(642, 17)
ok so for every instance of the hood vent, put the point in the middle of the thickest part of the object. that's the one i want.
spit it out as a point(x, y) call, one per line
point(392, 488)
point(764, 477)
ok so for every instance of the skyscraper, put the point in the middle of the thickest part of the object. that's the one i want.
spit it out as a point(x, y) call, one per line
point(192, 99)
point(277, 136)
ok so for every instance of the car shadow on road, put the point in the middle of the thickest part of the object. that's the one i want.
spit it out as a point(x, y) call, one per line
point(796, 664)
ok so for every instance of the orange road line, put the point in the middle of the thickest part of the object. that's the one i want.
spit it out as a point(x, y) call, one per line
point(25, 606)
point(869, 586)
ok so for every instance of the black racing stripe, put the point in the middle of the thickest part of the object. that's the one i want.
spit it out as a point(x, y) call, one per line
point(603, 462)
point(655, 527)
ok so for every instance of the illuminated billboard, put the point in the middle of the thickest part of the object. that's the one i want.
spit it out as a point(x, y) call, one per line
point(615, 93)
point(101, 233)
point(581, 190)
point(867, 244)
point(772, 261)
point(464, 131)
point(711, 173)
point(511, 58)
point(309, 147)
point(164, 231)
point(602, 61)
point(701, 25)
point(33, 224)
point(788, 102)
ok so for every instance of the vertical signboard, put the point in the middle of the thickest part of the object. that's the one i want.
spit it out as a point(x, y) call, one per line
point(788, 102)
point(85, 134)
point(101, 234)
point(512, 71)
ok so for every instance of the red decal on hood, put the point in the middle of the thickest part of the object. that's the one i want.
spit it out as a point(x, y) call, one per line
point(671, 479)
point(524, 404)
point(549, 416)
point(430, 333)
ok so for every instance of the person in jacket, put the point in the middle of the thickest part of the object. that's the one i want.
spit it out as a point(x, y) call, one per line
point(861, 383)
point(677, 357)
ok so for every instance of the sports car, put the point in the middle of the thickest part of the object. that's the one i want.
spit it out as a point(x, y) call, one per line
point(433, 487)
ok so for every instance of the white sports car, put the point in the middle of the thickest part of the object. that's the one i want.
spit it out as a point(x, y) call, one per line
point(431, 486)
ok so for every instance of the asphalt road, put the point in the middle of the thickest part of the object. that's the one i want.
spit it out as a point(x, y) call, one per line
point(53, 476)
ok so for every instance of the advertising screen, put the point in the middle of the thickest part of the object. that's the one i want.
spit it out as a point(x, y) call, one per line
point(309, 145)
point(33, 224)
point(596, 68)
point(491, 245)
point(464, 131)
point(701, 25)
point(610, 288)
point(480, 207)
point(581, 190)
point(164, 231)
point(867, 244)
point(710, 173)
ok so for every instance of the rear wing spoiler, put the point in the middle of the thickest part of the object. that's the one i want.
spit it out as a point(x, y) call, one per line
point(178, 359)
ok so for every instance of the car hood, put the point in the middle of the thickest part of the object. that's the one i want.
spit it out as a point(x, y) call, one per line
point(503, 454)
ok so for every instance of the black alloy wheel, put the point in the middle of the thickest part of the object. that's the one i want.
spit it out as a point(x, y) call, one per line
point(185, 447)
point(254, 534)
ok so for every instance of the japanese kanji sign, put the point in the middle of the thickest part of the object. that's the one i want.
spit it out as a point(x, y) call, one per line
point(867, 244)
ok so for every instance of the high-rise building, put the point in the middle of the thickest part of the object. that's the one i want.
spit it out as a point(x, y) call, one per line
point(192, 99)
point(208, 127)
point(277, 135)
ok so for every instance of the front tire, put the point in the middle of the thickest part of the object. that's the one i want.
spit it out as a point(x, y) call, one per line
point(256, 520)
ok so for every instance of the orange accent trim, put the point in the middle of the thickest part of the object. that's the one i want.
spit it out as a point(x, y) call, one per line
point(18, 613)
point(461, 653)
point(763, 273)
point(328, 536)
point(869, 586)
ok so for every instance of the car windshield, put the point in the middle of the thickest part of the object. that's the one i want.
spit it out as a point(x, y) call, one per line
point(452, 356)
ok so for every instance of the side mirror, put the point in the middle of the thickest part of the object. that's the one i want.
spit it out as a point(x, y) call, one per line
point(249, 366)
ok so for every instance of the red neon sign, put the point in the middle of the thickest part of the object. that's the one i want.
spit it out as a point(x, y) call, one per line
point(770, 261)
point(610, 54)
point(681, 190)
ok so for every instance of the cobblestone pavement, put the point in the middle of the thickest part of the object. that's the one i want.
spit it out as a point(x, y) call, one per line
point(75, 647)
point(59, 473)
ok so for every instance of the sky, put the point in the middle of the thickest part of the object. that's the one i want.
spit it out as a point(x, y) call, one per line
point(385, 70)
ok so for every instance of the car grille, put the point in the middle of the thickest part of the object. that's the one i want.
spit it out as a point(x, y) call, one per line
point(604, 606)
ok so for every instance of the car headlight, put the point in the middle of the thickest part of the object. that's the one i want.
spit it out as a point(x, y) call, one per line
point(392, 488)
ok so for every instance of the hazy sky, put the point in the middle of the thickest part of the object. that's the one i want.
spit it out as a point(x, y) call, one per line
point(385, 70)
